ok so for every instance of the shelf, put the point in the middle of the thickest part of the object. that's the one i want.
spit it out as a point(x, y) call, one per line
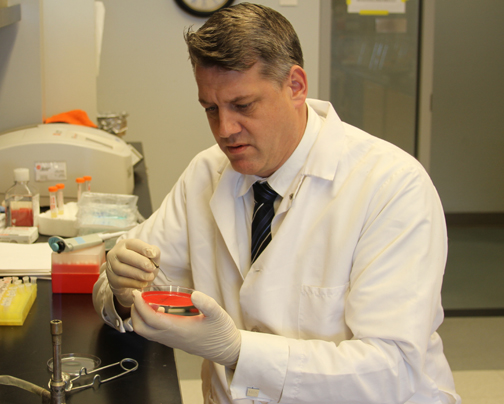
point(10, 15)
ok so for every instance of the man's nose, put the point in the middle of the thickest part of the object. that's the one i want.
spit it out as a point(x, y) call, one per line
point(228, 124)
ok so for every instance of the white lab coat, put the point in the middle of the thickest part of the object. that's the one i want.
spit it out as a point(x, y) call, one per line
point(343, 305)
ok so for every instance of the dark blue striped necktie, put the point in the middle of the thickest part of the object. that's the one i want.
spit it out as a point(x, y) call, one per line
point(264, 197)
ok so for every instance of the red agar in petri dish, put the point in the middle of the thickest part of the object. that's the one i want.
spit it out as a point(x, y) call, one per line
point(166, 298)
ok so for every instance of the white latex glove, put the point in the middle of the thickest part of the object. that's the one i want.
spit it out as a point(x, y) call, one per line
point(130, 265)
point(212, 334)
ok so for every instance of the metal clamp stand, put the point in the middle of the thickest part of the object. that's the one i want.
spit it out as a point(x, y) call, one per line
point(60, 382)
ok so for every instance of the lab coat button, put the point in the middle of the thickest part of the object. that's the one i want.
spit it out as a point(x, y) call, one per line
point(118, 323)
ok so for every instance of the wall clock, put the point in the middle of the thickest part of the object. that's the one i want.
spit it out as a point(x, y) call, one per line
point(203, 8)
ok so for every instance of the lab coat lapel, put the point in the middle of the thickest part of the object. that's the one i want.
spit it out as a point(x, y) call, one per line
point(222, 205)
point(322, 161)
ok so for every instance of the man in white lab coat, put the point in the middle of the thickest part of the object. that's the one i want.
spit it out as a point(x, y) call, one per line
point(343, 304)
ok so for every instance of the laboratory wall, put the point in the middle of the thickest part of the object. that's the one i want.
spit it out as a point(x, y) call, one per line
point(21, 69)
point(467, 143)
point(145, 71)
point(69, 56)
point(47, 62)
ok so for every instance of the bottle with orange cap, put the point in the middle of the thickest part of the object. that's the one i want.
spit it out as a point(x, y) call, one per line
point(80, 184)
point(60, 199)
point(87, 187)
point(52, 201)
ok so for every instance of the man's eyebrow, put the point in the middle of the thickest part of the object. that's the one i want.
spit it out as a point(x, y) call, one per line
point(233, 101)
point(240, 98)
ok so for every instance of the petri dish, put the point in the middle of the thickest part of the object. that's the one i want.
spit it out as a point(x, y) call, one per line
point(174, 299)
point(72, 363)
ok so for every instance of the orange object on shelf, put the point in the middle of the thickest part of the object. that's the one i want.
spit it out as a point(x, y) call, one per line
point(75, 117)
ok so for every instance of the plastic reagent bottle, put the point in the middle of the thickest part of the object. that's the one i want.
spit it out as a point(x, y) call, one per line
point(22, 201)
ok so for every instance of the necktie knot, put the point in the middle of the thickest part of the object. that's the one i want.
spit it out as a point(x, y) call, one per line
point(263, 193)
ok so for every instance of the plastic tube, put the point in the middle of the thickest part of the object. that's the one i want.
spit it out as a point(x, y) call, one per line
point(23, 384)
point(52, 202)
point(60, 198)
point(79, 182)
point(88, 179)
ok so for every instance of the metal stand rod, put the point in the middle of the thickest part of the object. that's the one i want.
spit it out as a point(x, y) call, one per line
point(57, 382)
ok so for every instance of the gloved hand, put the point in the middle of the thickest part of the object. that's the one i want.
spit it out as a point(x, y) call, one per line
point(129, 267)
point(212, 334)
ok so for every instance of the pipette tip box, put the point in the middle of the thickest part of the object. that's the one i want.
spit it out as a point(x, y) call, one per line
point(16, 299)
point(76, 271)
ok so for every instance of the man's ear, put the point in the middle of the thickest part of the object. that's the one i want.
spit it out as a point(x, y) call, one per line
point(298, 83)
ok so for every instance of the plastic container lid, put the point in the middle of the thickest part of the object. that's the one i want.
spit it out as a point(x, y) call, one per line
point(21, 174)
point(52, 189)
point(87, 177)
point(80, 180)
point(60, 186)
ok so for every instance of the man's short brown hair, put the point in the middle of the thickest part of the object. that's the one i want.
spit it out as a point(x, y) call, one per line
point(237, 37)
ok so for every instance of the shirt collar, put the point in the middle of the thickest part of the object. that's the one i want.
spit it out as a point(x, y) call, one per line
point(282, 179)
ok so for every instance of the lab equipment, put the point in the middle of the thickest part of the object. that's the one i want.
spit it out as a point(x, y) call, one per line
point(59, 153)
point(57, 383)
point(60, 382)
point(76, 271)
point(72, 363)
point(95, 213)
point(80, 187)
point(52, 201)
point(114, 123)
point(87, 185)
point(16, 299)
point(65, 225)
point(22, 200)
point(59, 244)
point(21, 235)
point(100, 212)
point(97, 380)
point(171, 299)
point(60, 199)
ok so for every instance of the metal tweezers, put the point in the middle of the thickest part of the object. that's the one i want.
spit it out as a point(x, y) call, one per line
point(97, 378)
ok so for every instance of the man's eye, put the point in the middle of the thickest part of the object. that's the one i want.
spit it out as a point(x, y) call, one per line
point(210, 109)
point(242, 107)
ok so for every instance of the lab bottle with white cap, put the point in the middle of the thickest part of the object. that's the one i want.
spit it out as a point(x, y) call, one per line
point(22, 201)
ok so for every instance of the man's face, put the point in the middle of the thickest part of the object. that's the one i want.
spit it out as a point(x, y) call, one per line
point(252, 119)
